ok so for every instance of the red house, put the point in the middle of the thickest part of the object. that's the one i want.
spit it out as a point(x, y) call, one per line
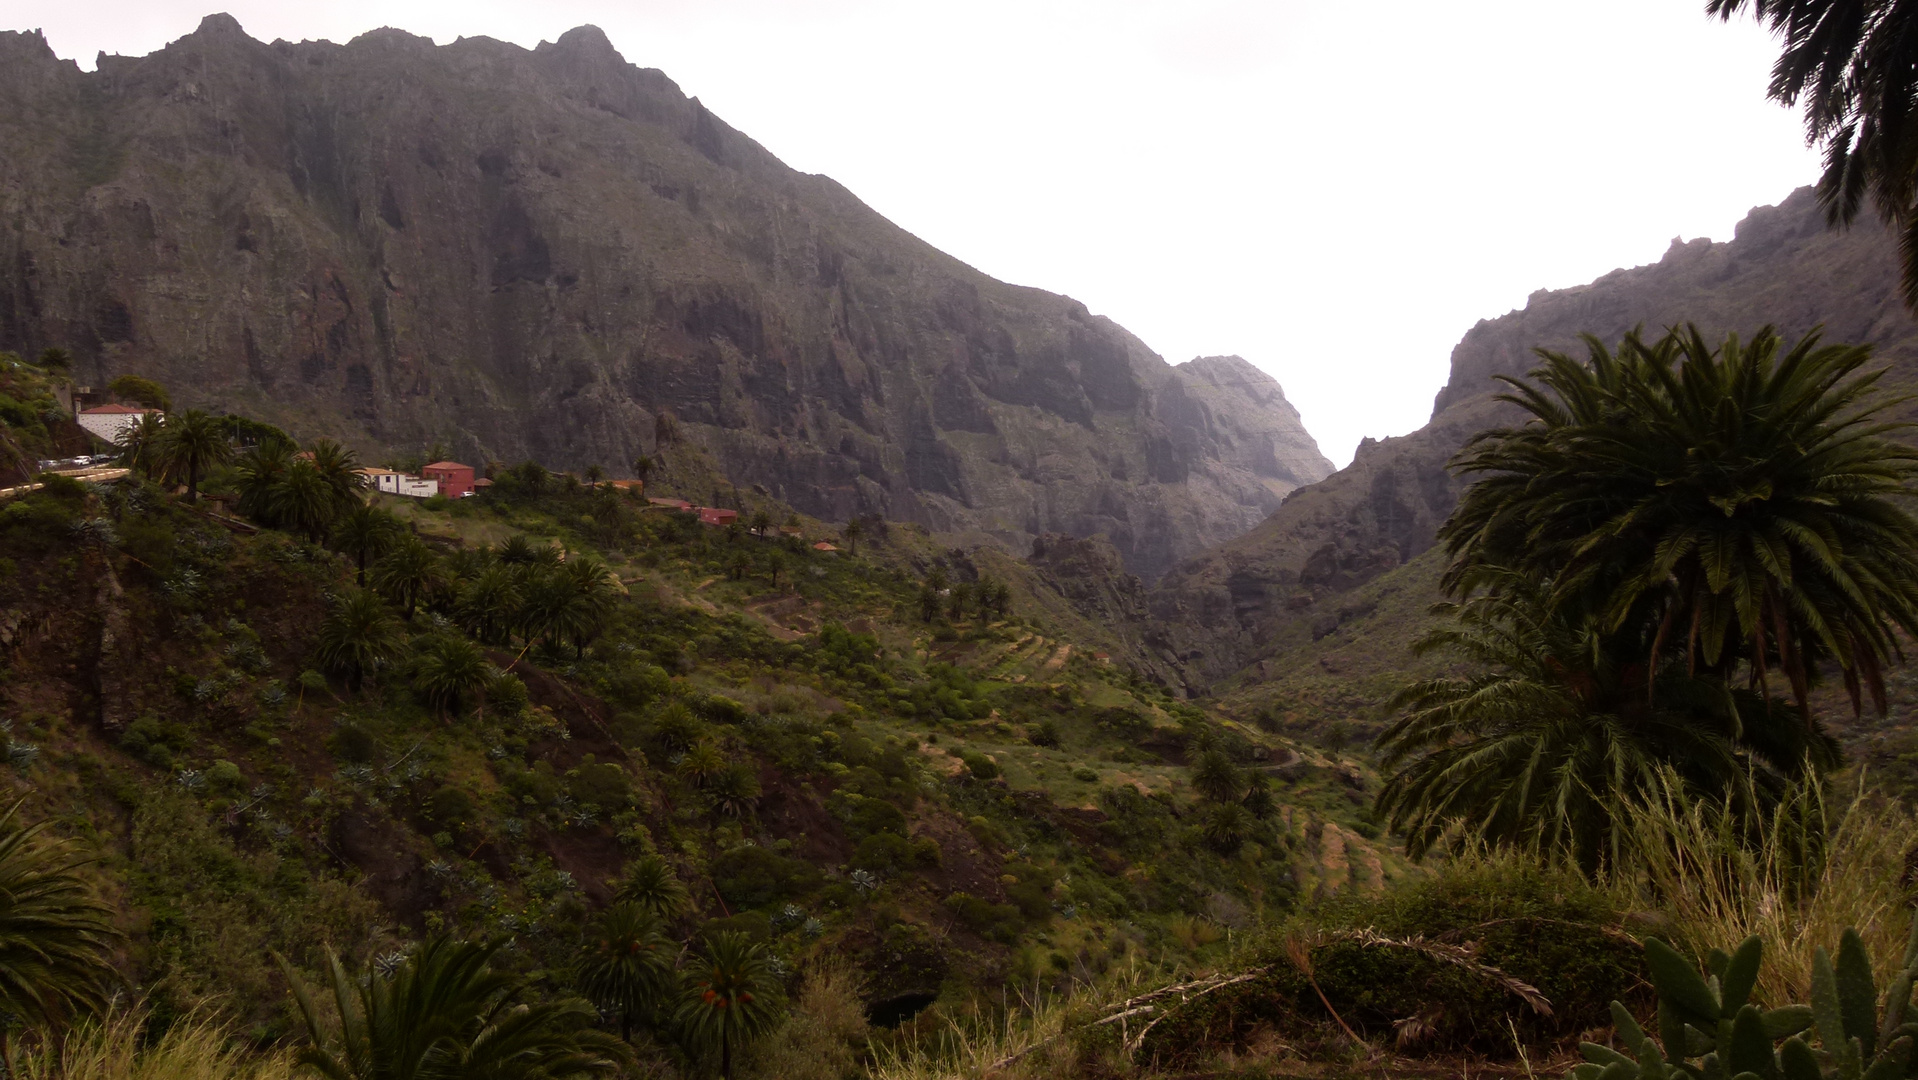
point(712, 515)
point(456, 480)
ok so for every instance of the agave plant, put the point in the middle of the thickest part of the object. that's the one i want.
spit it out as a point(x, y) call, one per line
point(1709, 1029)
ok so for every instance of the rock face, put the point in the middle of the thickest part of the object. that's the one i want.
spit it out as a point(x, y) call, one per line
point(542, 253)
point(1221, 611)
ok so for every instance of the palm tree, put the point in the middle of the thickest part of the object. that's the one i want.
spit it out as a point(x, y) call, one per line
point(1226, 827)
point(1851, 63)
point(1557, 734)
point(191, 443)
point(54, 358)
point(1743, 500)
point(568, 604)
point(448, 670)
point(643, 469)
point(731, 997)
point(340, 468)
point(358, 636)
point(1216, 778)
point(408, 574)
point(734, 791)
point(56, 938)
point(957, 602)
point(302, 501)
point(703, 763)
point(651, 884)
point(489, 604)
point(261, 470)
point(594, 474)
point(140, 444)
point(853, 532)
point(366, 532)
point(447, 1013)
point(627, 966)
point(761, 521)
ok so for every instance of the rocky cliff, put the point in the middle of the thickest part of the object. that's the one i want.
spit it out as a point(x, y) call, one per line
point(1287, 581)
point(553, 253)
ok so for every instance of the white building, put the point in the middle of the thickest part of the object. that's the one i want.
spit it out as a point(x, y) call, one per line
point(399, 483)
point(110, 422)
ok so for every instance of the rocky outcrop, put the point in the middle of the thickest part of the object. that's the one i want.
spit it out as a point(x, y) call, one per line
point(544, 253)
point(1222, 611)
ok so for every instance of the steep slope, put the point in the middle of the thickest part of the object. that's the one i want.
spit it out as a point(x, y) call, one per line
point(553, 253)
point(1289, 582)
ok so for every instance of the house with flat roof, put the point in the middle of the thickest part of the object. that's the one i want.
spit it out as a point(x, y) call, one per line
point(455, 480)
point(109, 422)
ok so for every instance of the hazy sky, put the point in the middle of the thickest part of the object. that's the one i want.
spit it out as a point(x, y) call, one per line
point(1335, 191)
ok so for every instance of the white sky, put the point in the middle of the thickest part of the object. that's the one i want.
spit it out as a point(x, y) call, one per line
point(1335, 191)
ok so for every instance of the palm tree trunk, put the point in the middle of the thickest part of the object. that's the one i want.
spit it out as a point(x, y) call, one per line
point(725, 1056)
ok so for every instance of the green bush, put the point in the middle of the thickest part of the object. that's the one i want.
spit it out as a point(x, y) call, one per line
point(752, 877)
point(1544, 927)
point(155, 741)
point(601, 784)
point(353, 744)
point(1000, 922)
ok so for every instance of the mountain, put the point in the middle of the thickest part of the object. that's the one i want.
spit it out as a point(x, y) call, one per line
point(555, 254)
point(1287, 595)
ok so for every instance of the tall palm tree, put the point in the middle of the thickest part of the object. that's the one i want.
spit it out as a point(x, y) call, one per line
point(446, 1013)
point(1558, 733)
point(1853, 65)
point(340, 468)
point(302, 501)
point(408, 574)
point(731, 996)
point(626, 966)
point(365, 532)
point(261, 470)
point(853, 532)
point(56, 938)
point(1216, 778)
point(191, 443)
point(448, 670)
point(489, 603)
point(651, 884)
point(594, 474)
point(140, 445)
point(1744, 500)
point(54, 358)
point(358, 636)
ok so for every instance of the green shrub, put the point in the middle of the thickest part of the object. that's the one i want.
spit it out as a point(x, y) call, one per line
point(602, 784)
point(1000, 922)
point(449, 807)
point(979, 765)
point(751, 877)
point(353, 744)
point(155, 741)
point(1544, 927)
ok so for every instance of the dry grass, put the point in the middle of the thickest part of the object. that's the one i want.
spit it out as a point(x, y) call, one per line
point(193, 1049)
point(1031, 1040)
point(823, 1036)
point(1717, 892)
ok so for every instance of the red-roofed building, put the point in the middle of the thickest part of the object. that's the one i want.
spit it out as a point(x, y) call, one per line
point(671, 504)
point(712, 515)
point(109, 422)
point(456, 480)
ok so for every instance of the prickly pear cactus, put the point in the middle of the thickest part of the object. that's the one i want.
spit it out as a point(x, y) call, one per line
point(1708, 1029)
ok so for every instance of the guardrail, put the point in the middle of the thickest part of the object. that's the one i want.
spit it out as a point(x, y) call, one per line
point(92, 475)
